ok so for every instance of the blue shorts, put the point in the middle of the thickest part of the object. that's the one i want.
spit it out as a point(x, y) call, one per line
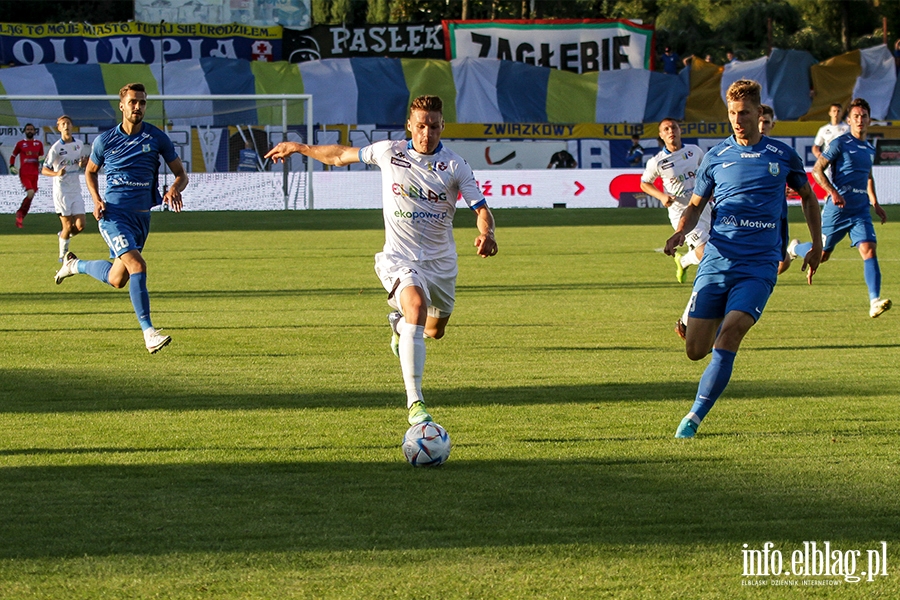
point(124, 231)
point(724, 285)
point(836, 224)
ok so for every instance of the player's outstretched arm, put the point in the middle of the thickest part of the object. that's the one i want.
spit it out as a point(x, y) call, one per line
point(485, 242)
point(330, 154)
point(813, 215)
point(92, 180)
point(173, 194)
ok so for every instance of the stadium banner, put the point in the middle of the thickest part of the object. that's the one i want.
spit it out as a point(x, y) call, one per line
point(530, 188)
point(579, 46)
point(259, 13)
point(399, 40)
point(526, 188)
point(134, 43)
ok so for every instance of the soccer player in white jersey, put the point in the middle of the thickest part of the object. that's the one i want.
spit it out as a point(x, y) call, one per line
point(676, 165)
point(746, 173)
point(421, 181)
point(65, 158)
point(834, 128)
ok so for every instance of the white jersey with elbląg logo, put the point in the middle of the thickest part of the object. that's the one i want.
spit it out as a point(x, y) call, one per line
point(419, 197)
point(828, 132)
point(66, 154)
point(678, 171)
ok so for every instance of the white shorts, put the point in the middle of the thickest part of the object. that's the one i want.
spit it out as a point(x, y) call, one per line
point(700, 234)
point(67, 205)
point(437, 278)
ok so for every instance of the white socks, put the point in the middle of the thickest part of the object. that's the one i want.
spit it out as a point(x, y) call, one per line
point(412, 359)
point(690, 258)
point(63, 244)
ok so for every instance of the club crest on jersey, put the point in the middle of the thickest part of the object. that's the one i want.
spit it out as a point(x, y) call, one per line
point(437, 166)
point(774, 169)
point(145, 147)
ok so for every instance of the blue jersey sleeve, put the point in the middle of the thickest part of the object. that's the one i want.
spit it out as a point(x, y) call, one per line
point(166, 147)
point(97, 149)
point(834, 149)
point(705, 185)
point(797, 177)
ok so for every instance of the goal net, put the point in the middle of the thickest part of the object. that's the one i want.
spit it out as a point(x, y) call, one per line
point(221, 140)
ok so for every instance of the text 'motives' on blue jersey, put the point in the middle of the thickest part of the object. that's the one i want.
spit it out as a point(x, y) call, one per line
point(747, 183)
point(132, 165)
point(851, 164)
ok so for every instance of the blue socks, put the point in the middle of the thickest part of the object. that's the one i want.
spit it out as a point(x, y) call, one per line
point(137, 287)
point(873, 277)
point(98, 269)
point(140, 298)
point(801, 249)
point(713, 382)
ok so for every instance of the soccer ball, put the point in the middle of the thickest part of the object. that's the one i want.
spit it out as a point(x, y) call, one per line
point(426, 445)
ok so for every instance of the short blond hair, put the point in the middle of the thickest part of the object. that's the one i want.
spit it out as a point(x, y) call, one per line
point(428, 104)
point(61, 117)
point(744, 89)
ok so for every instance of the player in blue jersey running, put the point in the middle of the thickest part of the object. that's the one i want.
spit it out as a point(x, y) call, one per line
point(746, 173)
point(851, 194)
point(130, 154)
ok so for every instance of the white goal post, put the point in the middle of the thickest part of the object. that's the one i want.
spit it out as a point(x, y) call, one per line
point(208, 131)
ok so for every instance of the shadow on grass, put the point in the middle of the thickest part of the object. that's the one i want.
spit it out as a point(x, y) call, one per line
point(63, 391)
point(331, 220)
point(76, 300)
point(75, 511)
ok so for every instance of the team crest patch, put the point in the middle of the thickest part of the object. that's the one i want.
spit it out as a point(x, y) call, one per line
point(145, 147)
point(774, 169)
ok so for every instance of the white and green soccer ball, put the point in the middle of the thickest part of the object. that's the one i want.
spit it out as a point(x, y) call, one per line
point(426, 445)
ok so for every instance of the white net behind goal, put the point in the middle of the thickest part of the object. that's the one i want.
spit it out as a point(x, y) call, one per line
point(221, 141)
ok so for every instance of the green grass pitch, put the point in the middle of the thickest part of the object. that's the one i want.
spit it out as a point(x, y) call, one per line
point(258, 456)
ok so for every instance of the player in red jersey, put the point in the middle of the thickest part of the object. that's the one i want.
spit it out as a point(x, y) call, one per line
point(31, 153)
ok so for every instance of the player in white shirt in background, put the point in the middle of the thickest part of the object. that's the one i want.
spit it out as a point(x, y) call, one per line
point(676, 165)
point(65, 158)
point(836, 127)
point(421, 181)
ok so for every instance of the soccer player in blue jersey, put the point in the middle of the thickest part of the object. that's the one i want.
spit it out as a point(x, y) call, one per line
point(130, 153)
point(746, 174)
point(851, 194)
